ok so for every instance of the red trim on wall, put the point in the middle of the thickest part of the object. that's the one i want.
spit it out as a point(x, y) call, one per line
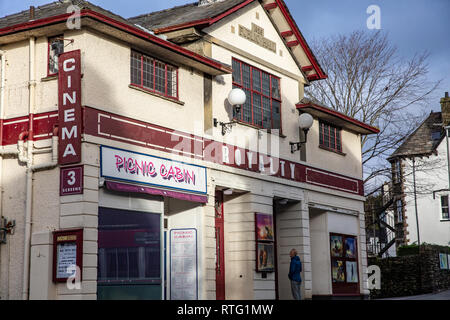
point(308, 68)
point(131, 131)
point(298, 35)
point(119, 25)
point(126, 130)
point(291, 44)
point(286, 34)
point(339, 115)
point(270, 6)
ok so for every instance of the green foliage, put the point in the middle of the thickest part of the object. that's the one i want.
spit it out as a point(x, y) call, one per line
point(413, 249)
point(409, 250)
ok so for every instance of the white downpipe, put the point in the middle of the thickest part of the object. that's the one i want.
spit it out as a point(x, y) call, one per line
point(29, 185)
point(54, 163)
point(2, 152)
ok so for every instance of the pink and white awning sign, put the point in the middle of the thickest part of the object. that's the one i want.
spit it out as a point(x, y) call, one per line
point(140, 168)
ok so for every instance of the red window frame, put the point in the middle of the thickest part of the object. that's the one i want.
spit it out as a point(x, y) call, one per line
point(260, 92)
point(324, 128)
point(49, 40)
point(166, 79)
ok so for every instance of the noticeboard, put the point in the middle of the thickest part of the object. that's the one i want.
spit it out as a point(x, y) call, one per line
point(183, 264)
point(67, 254)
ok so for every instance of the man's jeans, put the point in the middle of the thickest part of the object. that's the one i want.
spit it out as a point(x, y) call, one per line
point(296, 290)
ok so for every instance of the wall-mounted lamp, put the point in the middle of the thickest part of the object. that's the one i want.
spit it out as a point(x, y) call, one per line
point(236, 98)
point(305, 123)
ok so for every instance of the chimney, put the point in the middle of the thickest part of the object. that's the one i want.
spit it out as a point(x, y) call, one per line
point(207, 2)
point(32, 11)
point(445, 107)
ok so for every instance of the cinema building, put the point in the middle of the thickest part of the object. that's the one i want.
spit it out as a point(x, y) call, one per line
point(129, 171)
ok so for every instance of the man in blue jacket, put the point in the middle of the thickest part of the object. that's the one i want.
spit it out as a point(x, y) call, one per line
point(294, 274)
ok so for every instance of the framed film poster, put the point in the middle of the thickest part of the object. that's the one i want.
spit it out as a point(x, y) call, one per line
point(344, 264)
point(265, 243)
point(67, 254)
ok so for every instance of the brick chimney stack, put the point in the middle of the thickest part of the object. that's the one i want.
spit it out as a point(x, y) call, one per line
point(445, 106)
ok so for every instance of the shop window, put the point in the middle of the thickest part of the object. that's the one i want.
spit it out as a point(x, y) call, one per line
point(263, 106)
point(445, 208)
point(55, 48)
point(344, 264)
point(129, 254)
point(153, 75)
point(330, 137)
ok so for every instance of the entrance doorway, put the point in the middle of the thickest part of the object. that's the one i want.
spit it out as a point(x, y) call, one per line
point(220, 246)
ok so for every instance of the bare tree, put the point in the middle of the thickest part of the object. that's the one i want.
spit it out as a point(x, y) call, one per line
point(367, 80)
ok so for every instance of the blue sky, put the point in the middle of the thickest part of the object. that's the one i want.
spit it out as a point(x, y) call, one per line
point(412, 25)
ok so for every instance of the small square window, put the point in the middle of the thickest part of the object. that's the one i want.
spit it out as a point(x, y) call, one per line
point(444, 207)
point(55, 49)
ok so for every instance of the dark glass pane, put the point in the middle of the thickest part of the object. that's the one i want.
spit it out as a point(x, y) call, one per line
point(256, 80)
point(136, 68)
point(266, 84)
point(326, 136)
point(276, 114)
point(338, 140)
point(332, 138)
point(267, 114)
point(321, 137)
point(237, 72)
point(122, 263)
point(129, 245)
point(111, 264)
point(160, 77)
point(172, 85)
point(444, 201)
point(276, 88)
point(148, 73)
point(257, 111)
point(56, 48)
point(247, 108)
point(133, 263)
point(246, 75)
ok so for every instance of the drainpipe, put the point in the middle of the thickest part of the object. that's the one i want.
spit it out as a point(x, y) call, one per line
point(29, 184)
point(2, 153)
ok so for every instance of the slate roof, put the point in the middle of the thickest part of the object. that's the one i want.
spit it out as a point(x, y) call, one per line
point(55, 9)
point(183, 14)
point(421, 142)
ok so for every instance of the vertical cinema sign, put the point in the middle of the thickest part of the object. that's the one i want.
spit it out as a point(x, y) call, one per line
point(69, 99)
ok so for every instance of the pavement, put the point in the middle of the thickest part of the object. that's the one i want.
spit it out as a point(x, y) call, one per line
point(444, 295)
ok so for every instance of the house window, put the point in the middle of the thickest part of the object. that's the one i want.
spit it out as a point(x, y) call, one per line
point(399, 209)
point(263, 106)
point(397, 172)
point(153, 75)
point(444, 205)
point(55, 48)
point(330, 137)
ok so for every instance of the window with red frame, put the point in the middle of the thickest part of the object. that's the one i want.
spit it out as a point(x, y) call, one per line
point(330, 137)
point(263, 105)
point(153, 75)
point(55, 48)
